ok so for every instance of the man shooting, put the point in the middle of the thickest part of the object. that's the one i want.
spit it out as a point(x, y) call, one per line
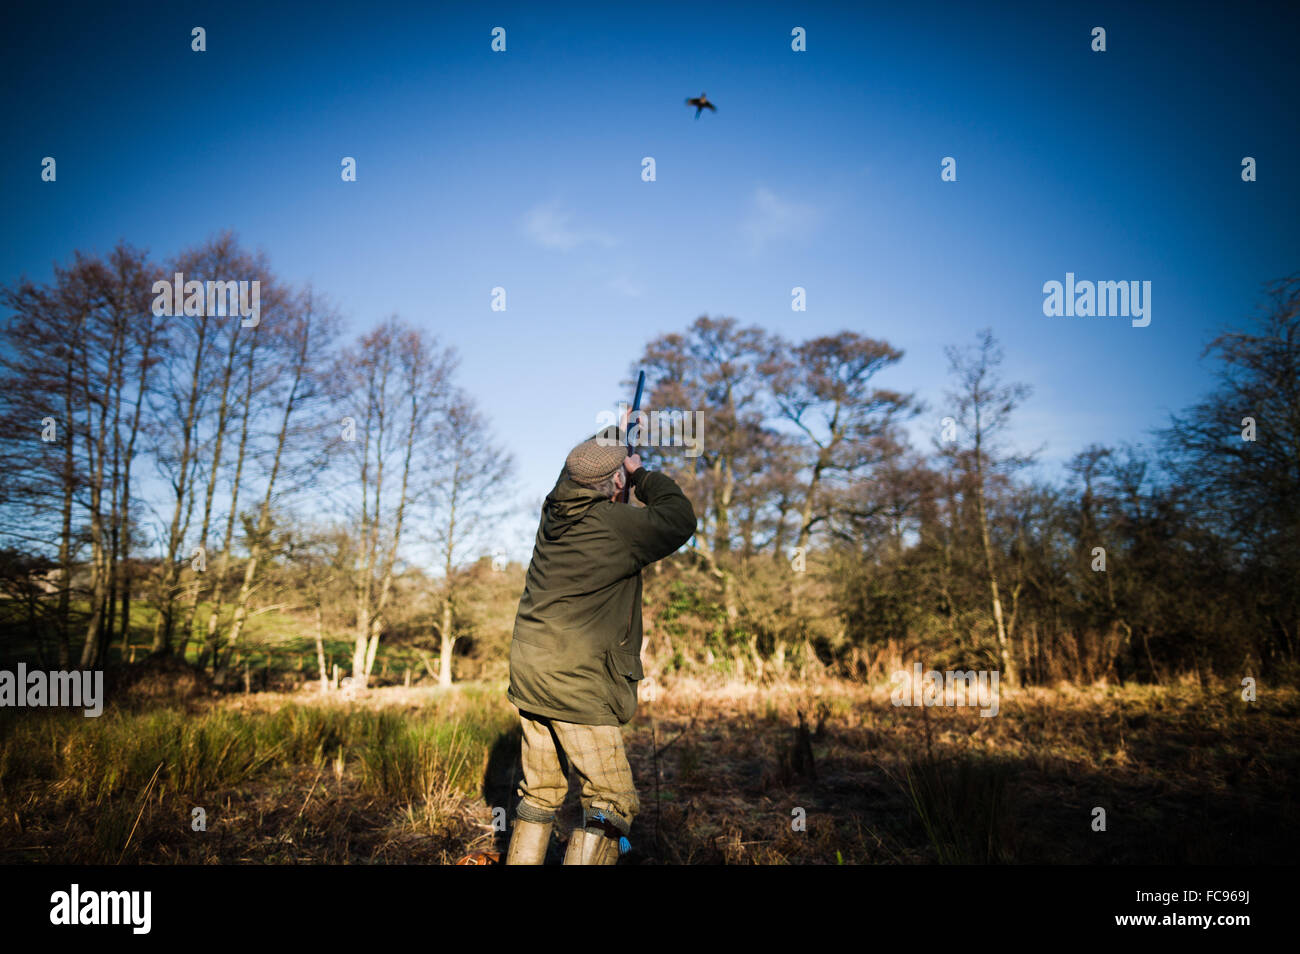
point(576, 654)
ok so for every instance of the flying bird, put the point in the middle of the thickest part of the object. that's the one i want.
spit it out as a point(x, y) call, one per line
point(700, 103)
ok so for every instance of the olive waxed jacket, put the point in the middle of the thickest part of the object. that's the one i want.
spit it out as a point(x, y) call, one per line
point(576, 652)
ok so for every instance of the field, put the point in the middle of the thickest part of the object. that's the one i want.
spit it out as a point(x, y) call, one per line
point(1185, 774)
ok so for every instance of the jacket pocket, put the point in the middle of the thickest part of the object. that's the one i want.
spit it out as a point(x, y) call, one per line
point(626, 664)
point(625, 670)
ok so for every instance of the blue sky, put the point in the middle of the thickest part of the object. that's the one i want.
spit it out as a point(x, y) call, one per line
point(820, 169)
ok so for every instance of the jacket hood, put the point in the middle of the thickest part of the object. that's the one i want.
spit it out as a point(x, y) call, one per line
point(566, 505)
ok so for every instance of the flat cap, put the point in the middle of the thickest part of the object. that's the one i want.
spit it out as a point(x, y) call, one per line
point(593, 461)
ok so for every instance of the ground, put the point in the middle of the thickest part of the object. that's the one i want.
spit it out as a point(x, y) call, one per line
point(1164, 775)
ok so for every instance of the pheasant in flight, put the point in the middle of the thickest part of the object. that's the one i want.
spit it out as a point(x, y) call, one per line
point(700, 103)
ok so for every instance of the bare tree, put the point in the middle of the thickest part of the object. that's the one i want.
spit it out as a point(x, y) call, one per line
point(236, 348)
point(983, 409)
point(396, 387)
point(713, 370)
point(1237, 453)
point(195, 339)
point(300, 443)
point(76, 341)
point(824, 388)
point(43, 470)
point(469, 474)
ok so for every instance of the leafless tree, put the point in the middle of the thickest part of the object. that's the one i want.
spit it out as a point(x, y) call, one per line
point(983, 406)
point(396, 389)
point(469, 478)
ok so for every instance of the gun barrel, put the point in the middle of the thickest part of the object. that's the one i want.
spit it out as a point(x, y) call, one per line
point(636, 406)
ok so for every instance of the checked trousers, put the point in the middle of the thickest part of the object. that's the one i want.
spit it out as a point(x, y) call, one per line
point(596, 754)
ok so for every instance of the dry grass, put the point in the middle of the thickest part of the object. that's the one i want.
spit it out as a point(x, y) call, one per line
point(412, 776)
point(280, 778)
point(1184, 776)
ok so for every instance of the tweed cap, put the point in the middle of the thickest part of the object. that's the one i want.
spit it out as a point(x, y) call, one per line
point(592, 461)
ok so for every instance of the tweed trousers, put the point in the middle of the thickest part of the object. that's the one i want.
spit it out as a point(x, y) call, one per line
point(596, 754)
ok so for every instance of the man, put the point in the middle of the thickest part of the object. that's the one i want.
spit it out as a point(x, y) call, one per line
point(576, 654)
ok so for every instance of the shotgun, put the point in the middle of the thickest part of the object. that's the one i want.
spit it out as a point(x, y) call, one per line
point(636, 406)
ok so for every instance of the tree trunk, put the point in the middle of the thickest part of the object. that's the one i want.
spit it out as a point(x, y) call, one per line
point(1005, 655)
point(448, 641)
point(162, 639)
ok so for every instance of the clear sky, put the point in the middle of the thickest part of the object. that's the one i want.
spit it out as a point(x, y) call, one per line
point(820, 169)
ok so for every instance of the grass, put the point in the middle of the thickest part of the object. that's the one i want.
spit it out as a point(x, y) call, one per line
point(71, 787)
point(1184, 776)
point(961, 804)
point(413, 775)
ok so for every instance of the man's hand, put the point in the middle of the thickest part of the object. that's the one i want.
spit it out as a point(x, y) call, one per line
point(633, 464)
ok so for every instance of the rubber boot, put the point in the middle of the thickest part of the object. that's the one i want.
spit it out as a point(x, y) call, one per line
point(528, 843)
point(591, 846)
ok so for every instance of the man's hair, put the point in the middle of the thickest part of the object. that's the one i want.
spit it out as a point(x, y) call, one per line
point(607, 487)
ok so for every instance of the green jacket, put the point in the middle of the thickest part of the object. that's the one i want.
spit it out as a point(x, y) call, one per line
point(576, 652)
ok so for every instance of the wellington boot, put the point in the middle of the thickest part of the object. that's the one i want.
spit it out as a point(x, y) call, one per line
point(528, 843)
point(591, 846)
